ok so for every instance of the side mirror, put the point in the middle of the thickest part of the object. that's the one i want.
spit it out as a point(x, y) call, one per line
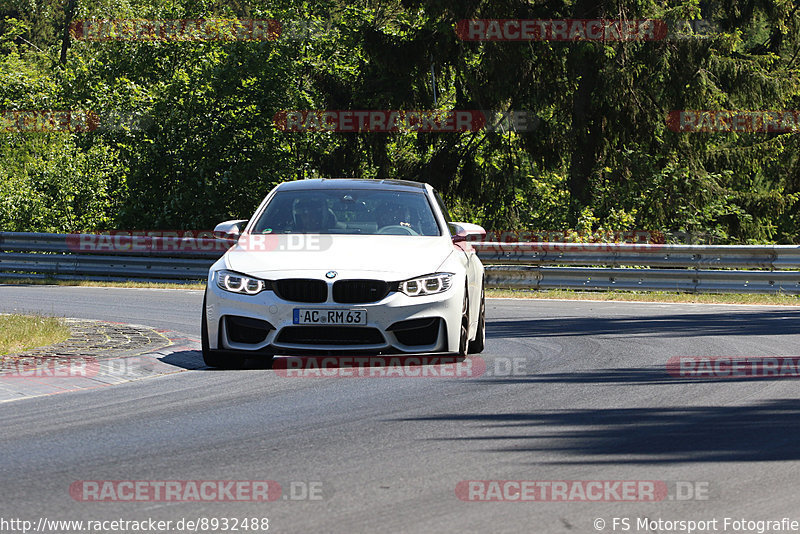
point(229, 229)
point(462, 231)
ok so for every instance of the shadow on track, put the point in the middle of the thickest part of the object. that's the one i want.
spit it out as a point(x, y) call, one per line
point(772, 322)
point(193, 360)
point(766, 431)
point(627, 376)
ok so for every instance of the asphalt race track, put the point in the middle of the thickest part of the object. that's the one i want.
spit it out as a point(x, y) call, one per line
point(573, 392)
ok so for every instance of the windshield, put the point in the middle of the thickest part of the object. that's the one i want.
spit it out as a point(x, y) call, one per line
point(348, 211)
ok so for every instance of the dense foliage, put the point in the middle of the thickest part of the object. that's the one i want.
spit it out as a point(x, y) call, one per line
point(187, 138)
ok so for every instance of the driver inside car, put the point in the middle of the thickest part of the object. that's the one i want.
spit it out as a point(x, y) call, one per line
point(310, 216)
point(391, 214)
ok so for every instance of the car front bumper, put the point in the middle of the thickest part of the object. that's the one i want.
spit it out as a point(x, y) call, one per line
point(397, 323)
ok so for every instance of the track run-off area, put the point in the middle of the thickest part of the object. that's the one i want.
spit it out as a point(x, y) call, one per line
point(585, 416)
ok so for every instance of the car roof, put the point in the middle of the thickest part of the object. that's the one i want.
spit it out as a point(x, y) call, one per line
point(352, 183)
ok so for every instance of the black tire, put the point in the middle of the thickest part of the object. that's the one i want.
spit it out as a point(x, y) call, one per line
point(477, 346)
point(463, 341)
point(217, 358)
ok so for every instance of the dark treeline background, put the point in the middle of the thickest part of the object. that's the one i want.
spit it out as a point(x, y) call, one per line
point(187, 138)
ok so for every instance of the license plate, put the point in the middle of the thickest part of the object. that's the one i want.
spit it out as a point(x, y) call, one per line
point(324, 316)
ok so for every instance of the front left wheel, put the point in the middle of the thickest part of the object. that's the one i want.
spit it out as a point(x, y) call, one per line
point(463, 338)
point(479, 343)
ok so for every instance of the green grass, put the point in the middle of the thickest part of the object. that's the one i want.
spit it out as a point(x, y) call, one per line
point(93, 283)
point(648, 296)
point(22, 332)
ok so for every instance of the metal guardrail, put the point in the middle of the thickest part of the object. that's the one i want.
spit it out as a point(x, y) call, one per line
point(651, 255)
point(85, 257)
point(607, 266)
point(594, 266)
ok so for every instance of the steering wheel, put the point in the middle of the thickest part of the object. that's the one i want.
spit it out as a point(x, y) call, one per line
point(396, 229)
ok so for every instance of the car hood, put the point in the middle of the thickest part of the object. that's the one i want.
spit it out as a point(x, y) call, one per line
point(352, 256)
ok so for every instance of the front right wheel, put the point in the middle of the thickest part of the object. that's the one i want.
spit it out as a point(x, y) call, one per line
point(217, 358)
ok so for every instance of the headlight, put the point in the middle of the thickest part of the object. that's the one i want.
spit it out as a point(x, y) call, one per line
point(427, 285)
point(239, 283)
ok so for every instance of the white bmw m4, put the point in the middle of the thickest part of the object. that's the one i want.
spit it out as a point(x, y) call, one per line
point(341, 266)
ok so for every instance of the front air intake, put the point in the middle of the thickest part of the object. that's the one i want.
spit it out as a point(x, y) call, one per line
point(359, 291)
point(301, 290)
